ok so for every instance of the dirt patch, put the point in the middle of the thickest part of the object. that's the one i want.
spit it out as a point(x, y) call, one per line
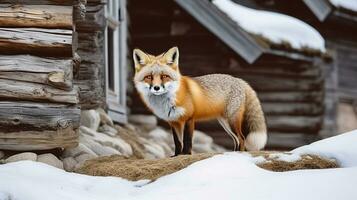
point(137, 169)
point(305, 162)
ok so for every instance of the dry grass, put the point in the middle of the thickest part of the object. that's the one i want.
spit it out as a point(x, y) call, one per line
point(137, 169)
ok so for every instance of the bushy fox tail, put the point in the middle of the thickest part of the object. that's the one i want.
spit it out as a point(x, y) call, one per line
point(254, 126)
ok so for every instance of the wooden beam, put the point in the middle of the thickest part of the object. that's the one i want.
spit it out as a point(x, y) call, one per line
point(44, 42)
point(39, 140)
point(302, 124)
point(40, 16)
point(55, 72)
point(292, 108)
point(37, 126)
point(24, 116)
point(19, 90)
point(44, 2)
point(291, 96)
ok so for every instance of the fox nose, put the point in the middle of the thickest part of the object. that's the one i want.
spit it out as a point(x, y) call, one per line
point(156, 88)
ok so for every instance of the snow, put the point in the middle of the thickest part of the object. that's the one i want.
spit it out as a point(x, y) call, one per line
point(346, 4)
point(229, 176)
point(285, 157)
point(276, 27)
point(343, 148)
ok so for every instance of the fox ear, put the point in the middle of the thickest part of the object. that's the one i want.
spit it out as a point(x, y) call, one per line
point(172, 56)
point(140, 58)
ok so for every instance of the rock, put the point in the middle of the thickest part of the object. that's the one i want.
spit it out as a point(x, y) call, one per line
point(104, 117)
point(160, 134)
point(2, 154)
point(90, 119)
point(21, 156)
point(115, 142)
point(108, 130)
point(154, 151)
point(147, 121)
point(202, 148)
point(98, 148)
point(82, 158)
point(201, 138)
point(69, 164)
point(50, 159)
point(80, 149)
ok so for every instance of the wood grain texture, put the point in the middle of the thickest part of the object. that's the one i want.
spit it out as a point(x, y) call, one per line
point(36, 126)
point(55, 72)
point(43, 42)
point(40, 16)
point(19, 90)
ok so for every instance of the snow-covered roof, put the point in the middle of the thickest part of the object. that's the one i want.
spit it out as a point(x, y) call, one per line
point(345, 4)
point(275, 27)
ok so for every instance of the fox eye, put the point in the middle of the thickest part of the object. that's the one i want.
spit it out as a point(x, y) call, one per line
point(165, 76)
point(149, 77)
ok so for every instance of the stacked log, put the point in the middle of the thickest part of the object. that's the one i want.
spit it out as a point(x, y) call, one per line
point(38, 98)
point(91, 73)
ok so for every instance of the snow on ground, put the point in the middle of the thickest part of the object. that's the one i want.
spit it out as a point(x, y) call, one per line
point(229, 176)
point(276, 27)
point(346, 4)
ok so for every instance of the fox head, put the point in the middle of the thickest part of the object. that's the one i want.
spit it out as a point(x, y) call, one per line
point(156, 75)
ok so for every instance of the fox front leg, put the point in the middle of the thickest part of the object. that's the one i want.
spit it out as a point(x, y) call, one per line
point(177, 132)
point(187, 136)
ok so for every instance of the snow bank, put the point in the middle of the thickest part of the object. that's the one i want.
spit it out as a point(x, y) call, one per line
point(228, 176)
point(343, 148)
point(346, 4)
point(276, 27)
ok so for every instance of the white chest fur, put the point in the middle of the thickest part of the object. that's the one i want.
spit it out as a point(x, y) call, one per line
point(164, 106)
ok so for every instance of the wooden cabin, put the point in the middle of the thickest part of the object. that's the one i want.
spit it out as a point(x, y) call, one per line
point(338, 24)
point(56, 59)
point(289, 82)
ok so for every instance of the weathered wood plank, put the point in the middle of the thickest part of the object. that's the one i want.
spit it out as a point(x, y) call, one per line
point(41, 16)
point(35, 126)
point(55, 72)
point(94, 19)
point(22, 116)
point(291, 96)
point(302, 124)
point(44, 2)
point(19, 90)
point(293, 108)
point(39, 140)
point(44, 42)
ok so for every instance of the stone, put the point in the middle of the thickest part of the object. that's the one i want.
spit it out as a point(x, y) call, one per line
point(104, 117)
point(90, 119)
point(82, 158)
point(69, 164)
point(160, 134)
point(50, 159)
point(21, 156)
point(80, 149)
point(201, 138)
point(147, 121)
point(109, 130)
point(2, 154)
point(97, 148)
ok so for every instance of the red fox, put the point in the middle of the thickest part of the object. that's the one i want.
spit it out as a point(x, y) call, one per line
point(181, 101)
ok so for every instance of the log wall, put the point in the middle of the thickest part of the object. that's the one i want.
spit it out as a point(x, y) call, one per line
point(291, 90)
point(90, 75)
point(38, 97)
